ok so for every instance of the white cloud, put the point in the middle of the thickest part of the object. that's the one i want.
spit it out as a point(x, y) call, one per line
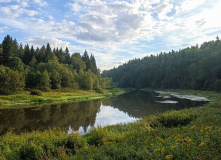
point(24, 4)
point(6, 1)
point(5, 10)
point(3, 29)
point(162, 10)
point(41, 2)
point(115, 31)
point(75, 7)
point(40, 41)
point(18, 10)
point(50, 17)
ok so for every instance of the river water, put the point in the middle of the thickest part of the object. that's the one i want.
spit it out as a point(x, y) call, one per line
point(82, 116)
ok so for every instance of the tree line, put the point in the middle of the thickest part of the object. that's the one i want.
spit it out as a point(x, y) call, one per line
point(27, 68)
point(196, 67)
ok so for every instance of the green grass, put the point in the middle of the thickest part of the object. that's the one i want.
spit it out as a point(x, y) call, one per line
point(185, 134)
point(55, 96)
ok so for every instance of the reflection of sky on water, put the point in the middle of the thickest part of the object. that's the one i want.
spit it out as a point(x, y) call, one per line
point(109, 116)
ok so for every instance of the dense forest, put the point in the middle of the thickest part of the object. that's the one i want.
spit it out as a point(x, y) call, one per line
point(195, 67)
point(29, 68)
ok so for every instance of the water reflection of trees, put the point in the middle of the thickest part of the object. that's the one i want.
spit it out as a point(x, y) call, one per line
point(142, 103)
point(48, 116)
point(135, 104)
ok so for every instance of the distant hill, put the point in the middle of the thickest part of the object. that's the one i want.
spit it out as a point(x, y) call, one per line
point(195, 67)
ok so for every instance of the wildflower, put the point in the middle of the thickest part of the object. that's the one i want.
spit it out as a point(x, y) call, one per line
point(152, 144)
point(173, 147)
point(208, 127)
point(186, 139)
point(191, 128)
point(201, 130)
point(155, 150)
point(146, 141)
point(162, 151)
point(217, 127)
point(201, 144)
point(147, 153)
point(169, 156)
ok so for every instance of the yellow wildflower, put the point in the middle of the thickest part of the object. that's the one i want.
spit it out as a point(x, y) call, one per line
point(201, 144)
point(208, 127)
point(192, 127)
point(173, 147)
point(169, 156)
point(152, 144)
point(155, 150)
point(217, 127)
point(187, 138)
point(201, 130)
point(162, 151)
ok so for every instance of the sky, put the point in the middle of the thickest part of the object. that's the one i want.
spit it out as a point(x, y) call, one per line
point(113, 31)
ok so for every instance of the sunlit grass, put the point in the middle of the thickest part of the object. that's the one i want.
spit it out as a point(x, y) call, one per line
point(55, 96)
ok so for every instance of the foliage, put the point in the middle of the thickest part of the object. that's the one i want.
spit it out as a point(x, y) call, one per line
point(40, 145)
point(10, 81)
point(36, 92)
point(190, 68)
point(45, 69)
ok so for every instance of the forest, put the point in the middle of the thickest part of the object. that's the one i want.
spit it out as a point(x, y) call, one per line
point(29, 68)
point(196, 67)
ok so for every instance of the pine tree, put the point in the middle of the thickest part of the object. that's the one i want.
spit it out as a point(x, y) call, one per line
point(6, 49)
point(27, 55)
point(67, 56)
point(93, 68)
point(87, 61)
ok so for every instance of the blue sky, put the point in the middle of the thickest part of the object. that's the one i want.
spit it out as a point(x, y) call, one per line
point(114, 31)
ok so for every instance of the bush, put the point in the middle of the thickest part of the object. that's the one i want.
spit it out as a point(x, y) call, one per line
point(10, 81)
point(36, 92)
point(99, 90)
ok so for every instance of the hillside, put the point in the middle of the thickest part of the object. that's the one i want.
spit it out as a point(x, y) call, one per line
point(195, 67)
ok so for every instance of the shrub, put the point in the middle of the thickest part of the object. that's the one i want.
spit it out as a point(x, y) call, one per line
point(10, 81)
point(36, 92)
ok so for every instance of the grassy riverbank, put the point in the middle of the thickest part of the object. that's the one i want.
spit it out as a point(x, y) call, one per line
point(186, 134)
point(56, 96)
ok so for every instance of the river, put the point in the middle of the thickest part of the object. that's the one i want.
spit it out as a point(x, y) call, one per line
point(83, 116)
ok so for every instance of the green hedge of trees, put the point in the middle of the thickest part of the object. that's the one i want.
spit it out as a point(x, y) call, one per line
point(46, 69)
point(190, 68)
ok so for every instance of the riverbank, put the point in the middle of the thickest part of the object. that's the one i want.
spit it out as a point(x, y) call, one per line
point(55, 97)
point(185, 134)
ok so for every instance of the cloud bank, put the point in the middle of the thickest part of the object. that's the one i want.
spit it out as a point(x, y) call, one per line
point(114, 31)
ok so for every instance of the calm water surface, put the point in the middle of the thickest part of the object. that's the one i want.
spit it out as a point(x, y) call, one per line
point(82, 116)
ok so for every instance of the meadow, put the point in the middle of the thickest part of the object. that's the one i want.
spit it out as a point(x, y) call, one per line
point(55, 96)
